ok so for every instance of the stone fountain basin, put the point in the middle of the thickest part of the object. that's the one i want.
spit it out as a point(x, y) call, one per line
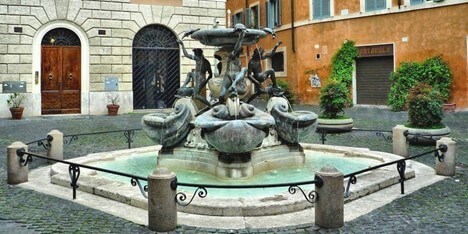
point(235, 136)
point(227, 37)
point(367, 183)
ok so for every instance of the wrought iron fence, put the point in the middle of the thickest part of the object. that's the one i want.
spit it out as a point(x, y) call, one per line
point(74, 171)
point(384, 134)
point(44, 143)
point(201, 189)
point(401, 167)
point(129, 135)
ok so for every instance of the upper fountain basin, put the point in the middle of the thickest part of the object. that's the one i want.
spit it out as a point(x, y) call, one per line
point(227, 36)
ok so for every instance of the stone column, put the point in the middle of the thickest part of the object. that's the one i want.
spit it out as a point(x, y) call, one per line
point(400, 145)
point(162, 206)
point(56, 145)
point(16, 172)
point(447, 166)
point(329, 207)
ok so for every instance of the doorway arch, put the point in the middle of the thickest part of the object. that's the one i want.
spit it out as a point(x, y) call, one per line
point(37, 63)
point(60, 72)
point(156, 68)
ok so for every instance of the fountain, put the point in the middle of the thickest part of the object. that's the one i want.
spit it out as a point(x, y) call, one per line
point(230, 136)
point(231, 140)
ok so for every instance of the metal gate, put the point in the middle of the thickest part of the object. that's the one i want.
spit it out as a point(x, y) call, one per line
point(156, 76)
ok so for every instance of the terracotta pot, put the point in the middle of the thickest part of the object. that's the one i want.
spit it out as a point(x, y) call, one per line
point(16, 112)
point(112, 110)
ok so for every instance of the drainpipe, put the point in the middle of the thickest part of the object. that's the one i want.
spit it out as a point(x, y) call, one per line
point(293, 38)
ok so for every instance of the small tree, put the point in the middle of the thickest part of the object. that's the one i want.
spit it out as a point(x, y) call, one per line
point(333, 100)
point(425, 107)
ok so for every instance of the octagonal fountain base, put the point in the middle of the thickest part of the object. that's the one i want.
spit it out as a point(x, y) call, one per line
point(261, 205)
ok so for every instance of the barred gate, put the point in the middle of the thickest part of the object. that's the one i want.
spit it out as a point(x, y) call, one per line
point(156, 75)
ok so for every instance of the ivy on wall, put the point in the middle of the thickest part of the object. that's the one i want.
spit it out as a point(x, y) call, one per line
point(342, 63)
point(433, 71)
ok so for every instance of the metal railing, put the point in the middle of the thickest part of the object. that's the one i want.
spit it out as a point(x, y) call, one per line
point(202, 192)
point(45, 142)
point(129, 135)
point(379, 133)
point(74, 171)
point(401, 167)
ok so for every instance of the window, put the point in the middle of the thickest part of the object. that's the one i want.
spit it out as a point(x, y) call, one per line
point(251, 17)
point(237, 18)
point(321, 9)
point(277, 62)
point(273, 13)
point(373, 5)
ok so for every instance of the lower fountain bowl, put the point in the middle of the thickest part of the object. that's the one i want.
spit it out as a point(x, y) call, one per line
point(235, 137)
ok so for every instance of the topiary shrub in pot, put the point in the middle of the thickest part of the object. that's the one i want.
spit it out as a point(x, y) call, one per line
point(334, 98)
point(425, 115)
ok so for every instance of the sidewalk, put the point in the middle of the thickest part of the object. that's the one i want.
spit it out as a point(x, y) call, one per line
point(438, 208)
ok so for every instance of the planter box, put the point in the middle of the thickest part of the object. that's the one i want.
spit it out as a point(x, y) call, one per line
point(335, 125)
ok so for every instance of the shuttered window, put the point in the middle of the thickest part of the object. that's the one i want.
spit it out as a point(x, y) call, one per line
point(273, 13)
point(321, 9)
point(237, 18)
point(251, 17)
point(373, 5)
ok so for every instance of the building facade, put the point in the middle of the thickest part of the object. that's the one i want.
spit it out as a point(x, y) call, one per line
point(68, 55)
point(386, 32)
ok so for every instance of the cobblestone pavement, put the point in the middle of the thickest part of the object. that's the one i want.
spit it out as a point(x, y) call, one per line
point(439, 208)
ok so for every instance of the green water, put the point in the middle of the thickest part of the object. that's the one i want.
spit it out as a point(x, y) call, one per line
point(144, 164)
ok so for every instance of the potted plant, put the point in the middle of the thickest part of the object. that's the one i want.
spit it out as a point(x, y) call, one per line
point(14, 102)
point(334, 98)
point(425, 115)
point(113, 107)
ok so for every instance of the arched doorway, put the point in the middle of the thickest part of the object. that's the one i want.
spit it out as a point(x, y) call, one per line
point(156, 75)
point(60, 72)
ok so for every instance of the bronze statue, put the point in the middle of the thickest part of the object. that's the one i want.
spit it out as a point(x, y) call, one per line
point(235, 72)
point(257, 76)
point(202, 66)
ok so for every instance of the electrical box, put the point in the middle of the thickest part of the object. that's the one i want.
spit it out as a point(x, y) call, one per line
point(111, 84)
point(14, 86)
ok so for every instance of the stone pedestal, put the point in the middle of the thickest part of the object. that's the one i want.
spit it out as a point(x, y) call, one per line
point(329, 207)
point(56, 146)
point(16, 172)
point(162, 206)
point(447, 166)
point(400, 144)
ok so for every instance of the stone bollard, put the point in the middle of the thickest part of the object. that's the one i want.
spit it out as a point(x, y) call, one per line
point(162, 206)
point(17, 173)
point(447, 166)
point(329, 207)
point(400, 144)
point(55, 150)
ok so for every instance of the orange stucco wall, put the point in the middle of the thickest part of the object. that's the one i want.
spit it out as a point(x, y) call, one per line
point(429, 32)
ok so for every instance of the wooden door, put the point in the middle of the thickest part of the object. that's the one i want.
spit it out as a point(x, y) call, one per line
point(61, 79)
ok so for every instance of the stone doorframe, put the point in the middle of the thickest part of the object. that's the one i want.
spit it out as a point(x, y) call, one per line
point(36, 64)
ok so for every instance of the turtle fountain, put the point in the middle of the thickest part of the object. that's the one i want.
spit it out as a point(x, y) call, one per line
point(232, 138)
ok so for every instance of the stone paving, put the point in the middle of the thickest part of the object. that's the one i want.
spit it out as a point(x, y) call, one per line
point(439, 208)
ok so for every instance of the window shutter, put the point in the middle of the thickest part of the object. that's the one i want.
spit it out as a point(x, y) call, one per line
point(325, 8)
point(316, 9)
point(248, 16)
point(415, 2)
point(380, 4)
point(278, 13)
point(370, 5)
